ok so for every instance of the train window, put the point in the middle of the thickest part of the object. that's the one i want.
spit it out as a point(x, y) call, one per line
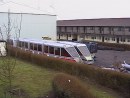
point(31, 46)
point(51, 50)
point(35, 47)
point(57, 51)
point(78, 51)
point(19, 44)
point(39, 47)
point(22, 44)
point(46, 49)
point(64, 53)
point(26, 45)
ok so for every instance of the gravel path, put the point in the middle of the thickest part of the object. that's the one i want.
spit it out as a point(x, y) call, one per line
point(107, 57)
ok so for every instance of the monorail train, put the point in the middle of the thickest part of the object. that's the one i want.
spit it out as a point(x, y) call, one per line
point(57, 49)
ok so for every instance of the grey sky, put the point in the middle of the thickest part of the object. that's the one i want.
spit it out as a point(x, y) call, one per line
point(82, 9)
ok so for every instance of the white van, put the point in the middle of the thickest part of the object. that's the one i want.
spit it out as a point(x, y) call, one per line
point(3, 51)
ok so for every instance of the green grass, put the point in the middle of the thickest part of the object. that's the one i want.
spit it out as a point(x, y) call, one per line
point(100, 91)
point(34, 80)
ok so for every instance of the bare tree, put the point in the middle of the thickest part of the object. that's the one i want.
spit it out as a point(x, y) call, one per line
point(17, 27)
point(7, 64)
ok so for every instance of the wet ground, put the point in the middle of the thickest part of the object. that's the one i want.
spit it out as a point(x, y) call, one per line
point(107, 57)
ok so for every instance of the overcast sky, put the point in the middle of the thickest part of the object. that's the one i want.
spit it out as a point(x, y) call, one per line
point(82, 9)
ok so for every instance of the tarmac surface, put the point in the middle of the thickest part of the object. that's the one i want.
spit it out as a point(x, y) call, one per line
point(107, 57)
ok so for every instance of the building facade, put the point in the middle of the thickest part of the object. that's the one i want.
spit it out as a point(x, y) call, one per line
point(109, 30)
point(31, 22)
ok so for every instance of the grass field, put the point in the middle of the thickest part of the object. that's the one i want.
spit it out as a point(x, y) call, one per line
point(36, 81)
point(101, 92)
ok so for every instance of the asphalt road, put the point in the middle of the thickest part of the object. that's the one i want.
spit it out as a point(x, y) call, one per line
point(107, 57)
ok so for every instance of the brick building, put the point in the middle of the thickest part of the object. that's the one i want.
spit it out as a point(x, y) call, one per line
point(110, 30)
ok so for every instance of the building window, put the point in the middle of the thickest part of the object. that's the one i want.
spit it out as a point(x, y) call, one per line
point(128, 40)
point(100, 37)
point(120, 29)
point(61, 34)
point(58, 29)
point(86, 36)
point(91, 28)
point(112, 29)
point(129, 29)
point(93, 37)
point(102, 29)
point(81, 36)
point(122, 39)
point(113, 38)
point(107, 38)
point(109, 29)
point(69, 35)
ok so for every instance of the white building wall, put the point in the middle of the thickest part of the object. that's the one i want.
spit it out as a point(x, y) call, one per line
point(33, 25)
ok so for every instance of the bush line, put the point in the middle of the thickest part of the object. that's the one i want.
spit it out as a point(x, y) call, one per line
point(114, 80)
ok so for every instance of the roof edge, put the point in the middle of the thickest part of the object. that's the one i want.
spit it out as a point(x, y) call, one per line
point(29, 13)
point(94, 19)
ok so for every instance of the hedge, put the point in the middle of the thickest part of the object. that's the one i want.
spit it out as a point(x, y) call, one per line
point(115, 46)
point(66, 86)
point(114, 80)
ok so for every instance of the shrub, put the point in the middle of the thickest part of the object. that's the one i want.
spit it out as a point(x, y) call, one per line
point(66, 86)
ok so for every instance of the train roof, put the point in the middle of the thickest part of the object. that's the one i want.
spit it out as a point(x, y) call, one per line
point(46, 42)
point(72, 43)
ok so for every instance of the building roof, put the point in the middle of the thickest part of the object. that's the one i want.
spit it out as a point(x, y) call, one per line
point(95, 22)
point(20, 8)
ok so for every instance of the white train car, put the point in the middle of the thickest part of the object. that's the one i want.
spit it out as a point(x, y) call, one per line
point(48, 48)
point(68, 51)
